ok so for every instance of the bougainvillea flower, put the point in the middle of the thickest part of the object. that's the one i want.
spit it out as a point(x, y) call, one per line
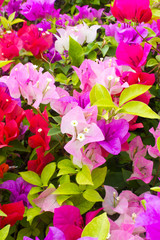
point(53, 234)
point(79, 33)
point(13, 6)
point(153, 151)
point(69, 220)
point(42, 160)
point(137, 11)
point(3, 168)
point(142, 170)
point(8, 132)
point(115, 133)
point(92, 157)
point(87, 12)
point(75, 124)
point(138, 78)
point(46, 200)
point(123, 235)
point(10, 45)
point(36, 9)
point(133, 55)
point(136, 148)
point(33, 40)
point(14, 212)
point(150, 219)
point(19, 190)
point(36, 87)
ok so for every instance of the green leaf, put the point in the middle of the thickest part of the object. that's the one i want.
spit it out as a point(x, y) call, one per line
point(12, 16)
point(100, 92)
point(18, 146)
point(139, 109)
point(158, 143)
point(54, 130)
point(5, 22)
point(84, 176)
point(67, 189)
point(62, 198)
point(66, 167)
point(32, 213)
point(61, 78)
point(80, 202)
point(158, 58)
point(151, 62)
point(98, 176)
point(24, 232)
point(151, 33)
point(47, 173)
point(75, 52)
point(104, 50)
point(92, 196)
point(17, 20)
point(97, 228)
point(4, 63)
point(4, 232)
point(2, 214)
point(31, 177)
point(155, 12)
point(35, 190)
point(156, 189)
point(132, 92)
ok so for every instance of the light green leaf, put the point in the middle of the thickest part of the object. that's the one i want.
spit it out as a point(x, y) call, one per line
point(62, 198)
point(32, 213)
point(31, 177)
point(2, 214)
point(4, 232)
point(139, 109)
point(151, 62)
point(60, 77)
point(4, 63)
point(156, 189)
point(92, 196)
point(105, 104)
point(66, 167)
point(84, 176)
point(158, 143)
point(12, 16)
point(67, 189)
point(132, 92)
point(5, 22)
point(47, 173)
point(158, 58)
point(155, 12)
point(17, 20)
point(35, 190)
point(97, 228)
point(98, 176)
point(75, 52)
point(151, 33)
point(100, 92)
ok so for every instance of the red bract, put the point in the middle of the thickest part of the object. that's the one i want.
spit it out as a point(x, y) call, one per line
point(135, 10)
point(41, 161)
point(133, 55)
point(17, 114)
point(1, 2)
point(10, 45)
point(6, 104)
point(34, 40)
point(14, 212)
point(3, 168)
point(138, 78)
point(8, 132)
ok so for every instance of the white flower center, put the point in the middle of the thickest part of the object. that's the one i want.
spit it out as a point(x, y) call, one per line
point(86, 130)
point(74, 123)
point(40, 130)
point(110, 77)
point(81, 137)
